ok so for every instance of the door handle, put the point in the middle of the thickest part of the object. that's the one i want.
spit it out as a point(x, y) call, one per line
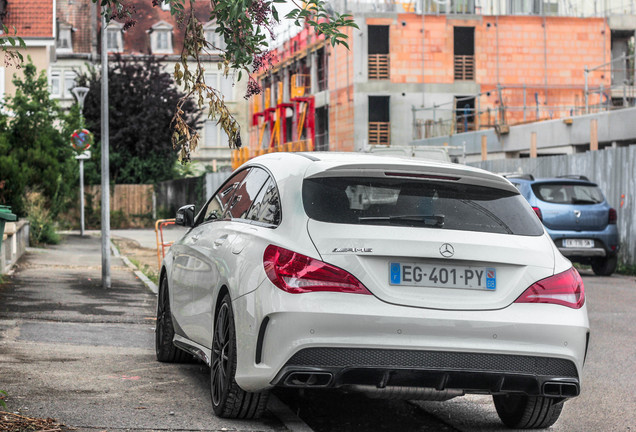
point(218, 242)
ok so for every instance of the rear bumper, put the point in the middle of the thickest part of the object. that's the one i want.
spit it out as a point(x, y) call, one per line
point(605, 242)
point(442, 371)
point(583, 252)
point(358, 340)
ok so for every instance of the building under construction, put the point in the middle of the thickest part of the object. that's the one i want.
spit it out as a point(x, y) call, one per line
point(436, 68)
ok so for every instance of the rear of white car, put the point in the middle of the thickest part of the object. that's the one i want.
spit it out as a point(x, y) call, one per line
point(410, 279)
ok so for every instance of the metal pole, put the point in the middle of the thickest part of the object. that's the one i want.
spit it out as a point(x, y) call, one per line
point(105, 166)
point(81, 174)
point(600, 98)
point(586, 72)
point(524, 103)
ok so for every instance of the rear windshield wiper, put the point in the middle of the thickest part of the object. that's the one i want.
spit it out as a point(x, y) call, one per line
point(436, 221)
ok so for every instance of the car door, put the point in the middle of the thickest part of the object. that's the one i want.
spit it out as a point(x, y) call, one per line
point(252, 235)
point(198, 264)
point(219, 244)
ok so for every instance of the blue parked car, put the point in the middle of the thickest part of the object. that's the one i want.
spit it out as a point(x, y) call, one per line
point(577, 216)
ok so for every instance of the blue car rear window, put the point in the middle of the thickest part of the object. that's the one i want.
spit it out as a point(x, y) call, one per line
point(568, 193)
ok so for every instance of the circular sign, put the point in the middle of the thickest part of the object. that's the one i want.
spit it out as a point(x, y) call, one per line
point(81, 140)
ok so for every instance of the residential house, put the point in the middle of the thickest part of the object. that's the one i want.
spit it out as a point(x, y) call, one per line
point(157, 33)
point(34, 22)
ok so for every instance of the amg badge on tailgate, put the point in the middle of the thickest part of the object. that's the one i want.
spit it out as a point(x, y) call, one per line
point(354, 250)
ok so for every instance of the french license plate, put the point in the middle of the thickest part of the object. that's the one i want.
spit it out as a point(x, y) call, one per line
point(416, 274)
point(578, 243)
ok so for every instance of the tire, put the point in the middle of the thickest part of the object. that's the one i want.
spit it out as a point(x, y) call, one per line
point(228, 399)
point(605, 266)
point(527, 412)
point(165, 350)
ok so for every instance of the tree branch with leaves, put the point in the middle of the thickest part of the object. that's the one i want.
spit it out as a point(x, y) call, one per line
point(248, 28)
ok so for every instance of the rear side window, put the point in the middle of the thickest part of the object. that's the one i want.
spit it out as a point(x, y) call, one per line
point(568, 193)
point(215, 208)
point(418, 203)
point(266, 207)
point(245, 194)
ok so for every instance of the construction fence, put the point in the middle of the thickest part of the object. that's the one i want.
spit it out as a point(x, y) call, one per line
point(613, 169)
point(131, 205)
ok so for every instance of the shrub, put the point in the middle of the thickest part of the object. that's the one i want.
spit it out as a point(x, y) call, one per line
point(41, 229)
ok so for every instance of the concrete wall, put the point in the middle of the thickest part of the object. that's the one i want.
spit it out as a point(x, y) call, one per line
point(14, 244)
point(553, 136)
point(612, 169)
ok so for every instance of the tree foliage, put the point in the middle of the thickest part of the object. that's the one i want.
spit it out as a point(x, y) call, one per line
point(247, 26)
point(142, 97)
point(35, 149)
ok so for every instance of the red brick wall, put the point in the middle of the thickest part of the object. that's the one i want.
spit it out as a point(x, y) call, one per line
point(341, 72)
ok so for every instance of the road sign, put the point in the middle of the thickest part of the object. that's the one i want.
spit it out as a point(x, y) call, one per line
point(81, 140)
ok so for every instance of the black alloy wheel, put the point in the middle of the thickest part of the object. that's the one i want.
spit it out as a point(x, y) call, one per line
point(519, 411)
point(605, 266)
point(164, 332)
point(228, 399)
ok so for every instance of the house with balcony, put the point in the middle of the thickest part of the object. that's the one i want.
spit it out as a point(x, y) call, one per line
point(419, 69)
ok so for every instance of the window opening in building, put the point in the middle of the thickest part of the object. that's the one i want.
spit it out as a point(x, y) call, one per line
point(112, 41)
point(465, 113)
point(55, 84)
point(65, 38)
point(464, 50)
point(379, 120)
point(213, 38)
point(69, 83)
point(532, 7)
point(162, 40)
point(322, 129)
point(322, 70)
point(378, 52)
point(215, 136)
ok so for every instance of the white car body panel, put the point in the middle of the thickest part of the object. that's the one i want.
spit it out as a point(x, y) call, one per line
point(519, 262)
point(296, 322)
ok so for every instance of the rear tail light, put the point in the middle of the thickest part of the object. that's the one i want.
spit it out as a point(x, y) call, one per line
point(297, 273)
point(537, 210)
point(563, 289)
point(612, 217)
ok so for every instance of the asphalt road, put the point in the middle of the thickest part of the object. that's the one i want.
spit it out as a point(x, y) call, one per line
point(85, 356)
point(607, 401)
point(72, 351)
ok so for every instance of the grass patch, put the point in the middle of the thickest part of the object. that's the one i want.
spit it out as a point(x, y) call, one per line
point(149, 272)
point(626, 269)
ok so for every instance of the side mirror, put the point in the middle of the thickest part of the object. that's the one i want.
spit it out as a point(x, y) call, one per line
point(185, 216)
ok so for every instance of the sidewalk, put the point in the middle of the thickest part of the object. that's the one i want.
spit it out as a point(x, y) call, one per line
point(85, 356)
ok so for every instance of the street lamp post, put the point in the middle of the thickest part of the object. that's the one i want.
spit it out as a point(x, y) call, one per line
point(80, 93)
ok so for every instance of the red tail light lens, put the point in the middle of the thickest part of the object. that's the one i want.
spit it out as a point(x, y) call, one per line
point(296, 273)
point(612, 217)
point(537, 210)
point(563, 289)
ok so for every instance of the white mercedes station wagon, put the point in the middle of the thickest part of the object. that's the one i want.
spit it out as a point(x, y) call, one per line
point(394, 277)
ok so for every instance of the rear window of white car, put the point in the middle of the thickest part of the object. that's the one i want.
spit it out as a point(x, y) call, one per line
point(568, 193)
point(420, 204)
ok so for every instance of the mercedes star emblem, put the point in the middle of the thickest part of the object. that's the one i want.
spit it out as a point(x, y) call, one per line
point(447, 250)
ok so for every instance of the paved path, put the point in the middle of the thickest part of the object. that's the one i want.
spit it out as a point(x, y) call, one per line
point(85, 356)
